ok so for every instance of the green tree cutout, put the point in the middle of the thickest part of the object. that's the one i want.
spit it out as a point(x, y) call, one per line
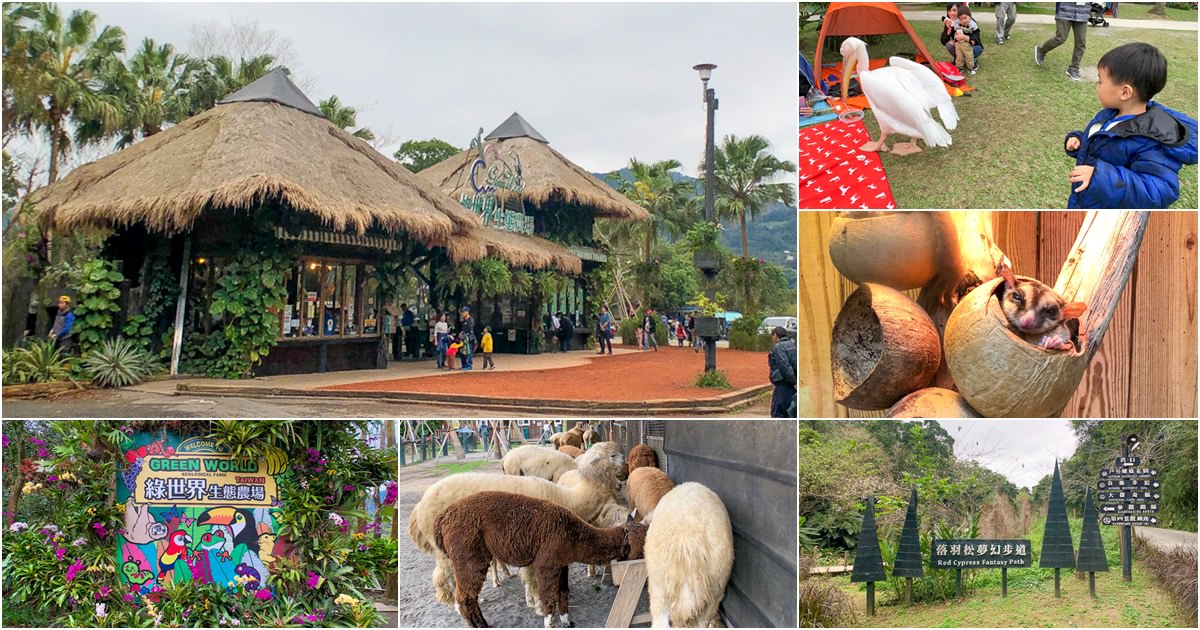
point(418, 155)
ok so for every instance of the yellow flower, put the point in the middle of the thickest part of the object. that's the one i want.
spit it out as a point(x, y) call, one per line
point(231, 585)
point(345, 599)
point(91, 510)
point(358, 535)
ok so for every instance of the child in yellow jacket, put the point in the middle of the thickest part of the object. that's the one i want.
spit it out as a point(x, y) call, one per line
point(486, 345)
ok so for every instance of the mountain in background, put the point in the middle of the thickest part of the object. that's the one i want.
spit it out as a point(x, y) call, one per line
point(772, 236)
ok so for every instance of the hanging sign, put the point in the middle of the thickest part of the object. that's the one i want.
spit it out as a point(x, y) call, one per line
point(202, 477)
point(485, 179)
point(980, 554)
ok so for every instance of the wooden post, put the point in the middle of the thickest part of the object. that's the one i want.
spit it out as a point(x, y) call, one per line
point(180, 305)
point(1057, 582)
point(1092, 583)
point(908, 590)
point(958, 583)
point(1003, 581)
point(871, 598)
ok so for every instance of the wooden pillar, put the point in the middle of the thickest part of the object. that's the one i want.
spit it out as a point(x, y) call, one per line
point(181, 304)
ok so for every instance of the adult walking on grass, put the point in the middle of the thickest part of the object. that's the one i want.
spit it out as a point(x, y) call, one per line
point(782, 363)
point(1006, 16)
point(1072, 17)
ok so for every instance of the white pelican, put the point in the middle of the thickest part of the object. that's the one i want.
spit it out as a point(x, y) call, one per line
point(901, 95)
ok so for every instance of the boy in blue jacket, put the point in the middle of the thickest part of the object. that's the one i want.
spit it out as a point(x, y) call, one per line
point(1129, 156)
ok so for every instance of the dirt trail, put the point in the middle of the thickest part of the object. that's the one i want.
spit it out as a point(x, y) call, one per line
point(504, 607)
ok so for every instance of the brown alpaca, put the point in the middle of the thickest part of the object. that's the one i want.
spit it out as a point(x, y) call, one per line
point(642, 455)
point(525, 532)
point(571, 450)
point(646, 487)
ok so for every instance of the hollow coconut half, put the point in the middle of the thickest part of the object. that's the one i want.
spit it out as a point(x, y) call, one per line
point(1000, 374)
point(896, 249)
point(932, 402)
point(884, 347)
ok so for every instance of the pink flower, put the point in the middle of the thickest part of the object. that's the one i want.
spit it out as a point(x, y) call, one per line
point(74, 570)
point(59, 552)
point(52, 478)
point(348, 488)
point(393, 492)
point(263, 594)
point(104, 591)
point(314, 581)
point(128, 597)
point(101, 530)
point(6, 441)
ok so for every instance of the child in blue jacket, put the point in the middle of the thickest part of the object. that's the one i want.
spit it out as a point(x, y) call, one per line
point(1129, 156)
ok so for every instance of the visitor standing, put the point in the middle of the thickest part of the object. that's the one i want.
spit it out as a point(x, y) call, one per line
point(782, 363)
point(442, 331)
point(649, 325)
point(1006, 16)
point(64, 322)
point(566, 330)
point(431, 315)
point(485, 345)
point(484, 430)
point(1068, 17)
point(408, 324)
point(604, 330)
point(680, 333)
point(467, 336)
point(555, 326)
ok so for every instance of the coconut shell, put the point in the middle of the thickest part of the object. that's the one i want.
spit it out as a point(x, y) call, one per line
point(932, 402)
point(884, 346)
point(897, 249)
point(1000, 374)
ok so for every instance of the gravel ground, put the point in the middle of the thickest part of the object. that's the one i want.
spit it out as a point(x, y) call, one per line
point(503, 607)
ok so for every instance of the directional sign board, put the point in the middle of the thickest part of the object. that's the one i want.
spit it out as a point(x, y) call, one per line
point(1128, 484)
point(1128, 473)
point(1117, 519)
point(1128, 462)
point(980, 554)
point(1129, 508)
point(1128, 495)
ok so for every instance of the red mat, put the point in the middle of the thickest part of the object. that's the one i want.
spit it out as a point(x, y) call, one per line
point(834, 174)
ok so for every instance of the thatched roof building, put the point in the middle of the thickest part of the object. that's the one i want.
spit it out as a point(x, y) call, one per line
point(546, 173)
point(265, 144)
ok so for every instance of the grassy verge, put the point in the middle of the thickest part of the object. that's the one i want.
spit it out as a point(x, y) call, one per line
point(1007, 150)
point(451, 468)
point(1031, 601)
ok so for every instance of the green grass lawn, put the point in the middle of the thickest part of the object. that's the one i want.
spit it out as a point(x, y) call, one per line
point(1007, 150)
point(1031, 602)
point(452, 468)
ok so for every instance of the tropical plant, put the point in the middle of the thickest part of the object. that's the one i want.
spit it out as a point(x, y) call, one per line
point(118, 363)
point(249, 297)
point(154, 88)
point(344, 117)
point(39, 362)
point(62, 72)
point(715, 379)
point(670, 200)
point(744, 168)
point(418, 155)
point(98, 294)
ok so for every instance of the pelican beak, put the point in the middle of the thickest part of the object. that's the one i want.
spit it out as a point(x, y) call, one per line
point(217, 516)
point(848, 63)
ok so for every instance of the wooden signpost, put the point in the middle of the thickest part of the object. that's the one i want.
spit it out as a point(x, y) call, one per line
point(1129, 495)
point(975, 553)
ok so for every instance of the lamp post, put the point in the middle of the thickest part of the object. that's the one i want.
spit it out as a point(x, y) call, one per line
point(710, 211)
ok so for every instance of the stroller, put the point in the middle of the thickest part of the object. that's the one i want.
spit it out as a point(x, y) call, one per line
point(1096, 14)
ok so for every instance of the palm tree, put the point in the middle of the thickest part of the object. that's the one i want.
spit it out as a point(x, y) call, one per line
point(344, 117)
point(743, 168)
point(153, 87)
point(671, 202)
point(65, 69)
point(213, 78)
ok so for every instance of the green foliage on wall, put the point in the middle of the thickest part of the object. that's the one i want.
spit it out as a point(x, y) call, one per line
point(249, 297)
point(97, 303)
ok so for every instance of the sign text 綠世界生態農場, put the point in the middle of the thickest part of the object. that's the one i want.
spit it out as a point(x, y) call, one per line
point(980, 554)
point(204, 479)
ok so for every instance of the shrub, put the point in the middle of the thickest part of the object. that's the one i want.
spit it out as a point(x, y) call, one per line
point(1175, 570)
point(118, 363)
point(824, 605)
point(744, 335)
point(39, 362)
point(715, 380)
point(628, 329)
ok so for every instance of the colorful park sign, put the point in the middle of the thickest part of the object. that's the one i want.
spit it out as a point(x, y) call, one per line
point(194, 513)
point(980, 553)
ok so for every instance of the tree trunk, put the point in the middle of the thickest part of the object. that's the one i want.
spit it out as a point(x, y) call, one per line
point(14, 491)
point(1159, 9)
point(745, 241)
point(55, 132)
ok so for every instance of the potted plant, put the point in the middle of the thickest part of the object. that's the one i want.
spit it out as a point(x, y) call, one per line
point(702, 237)
point(707, 322)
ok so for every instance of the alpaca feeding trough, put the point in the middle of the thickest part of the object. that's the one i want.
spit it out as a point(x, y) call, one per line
point(884, 346)
point(896, 249)
point(999, 373)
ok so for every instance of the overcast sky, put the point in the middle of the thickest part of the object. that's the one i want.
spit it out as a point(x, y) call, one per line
point(1022, 450)
point(602, 82)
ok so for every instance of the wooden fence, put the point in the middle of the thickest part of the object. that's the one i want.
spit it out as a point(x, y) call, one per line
point(1146, 367)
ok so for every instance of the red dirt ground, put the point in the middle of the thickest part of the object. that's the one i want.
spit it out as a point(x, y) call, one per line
point(666, 374)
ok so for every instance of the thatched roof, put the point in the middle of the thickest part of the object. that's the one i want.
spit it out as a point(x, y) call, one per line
point(241, 154)
point(533, 252)
point(545, 171)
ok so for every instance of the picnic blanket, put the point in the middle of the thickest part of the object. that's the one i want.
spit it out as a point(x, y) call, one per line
point(822, 112)
point(831, 74)
point(834, 174)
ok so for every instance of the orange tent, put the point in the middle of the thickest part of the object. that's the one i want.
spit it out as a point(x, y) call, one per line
point(859, 19)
